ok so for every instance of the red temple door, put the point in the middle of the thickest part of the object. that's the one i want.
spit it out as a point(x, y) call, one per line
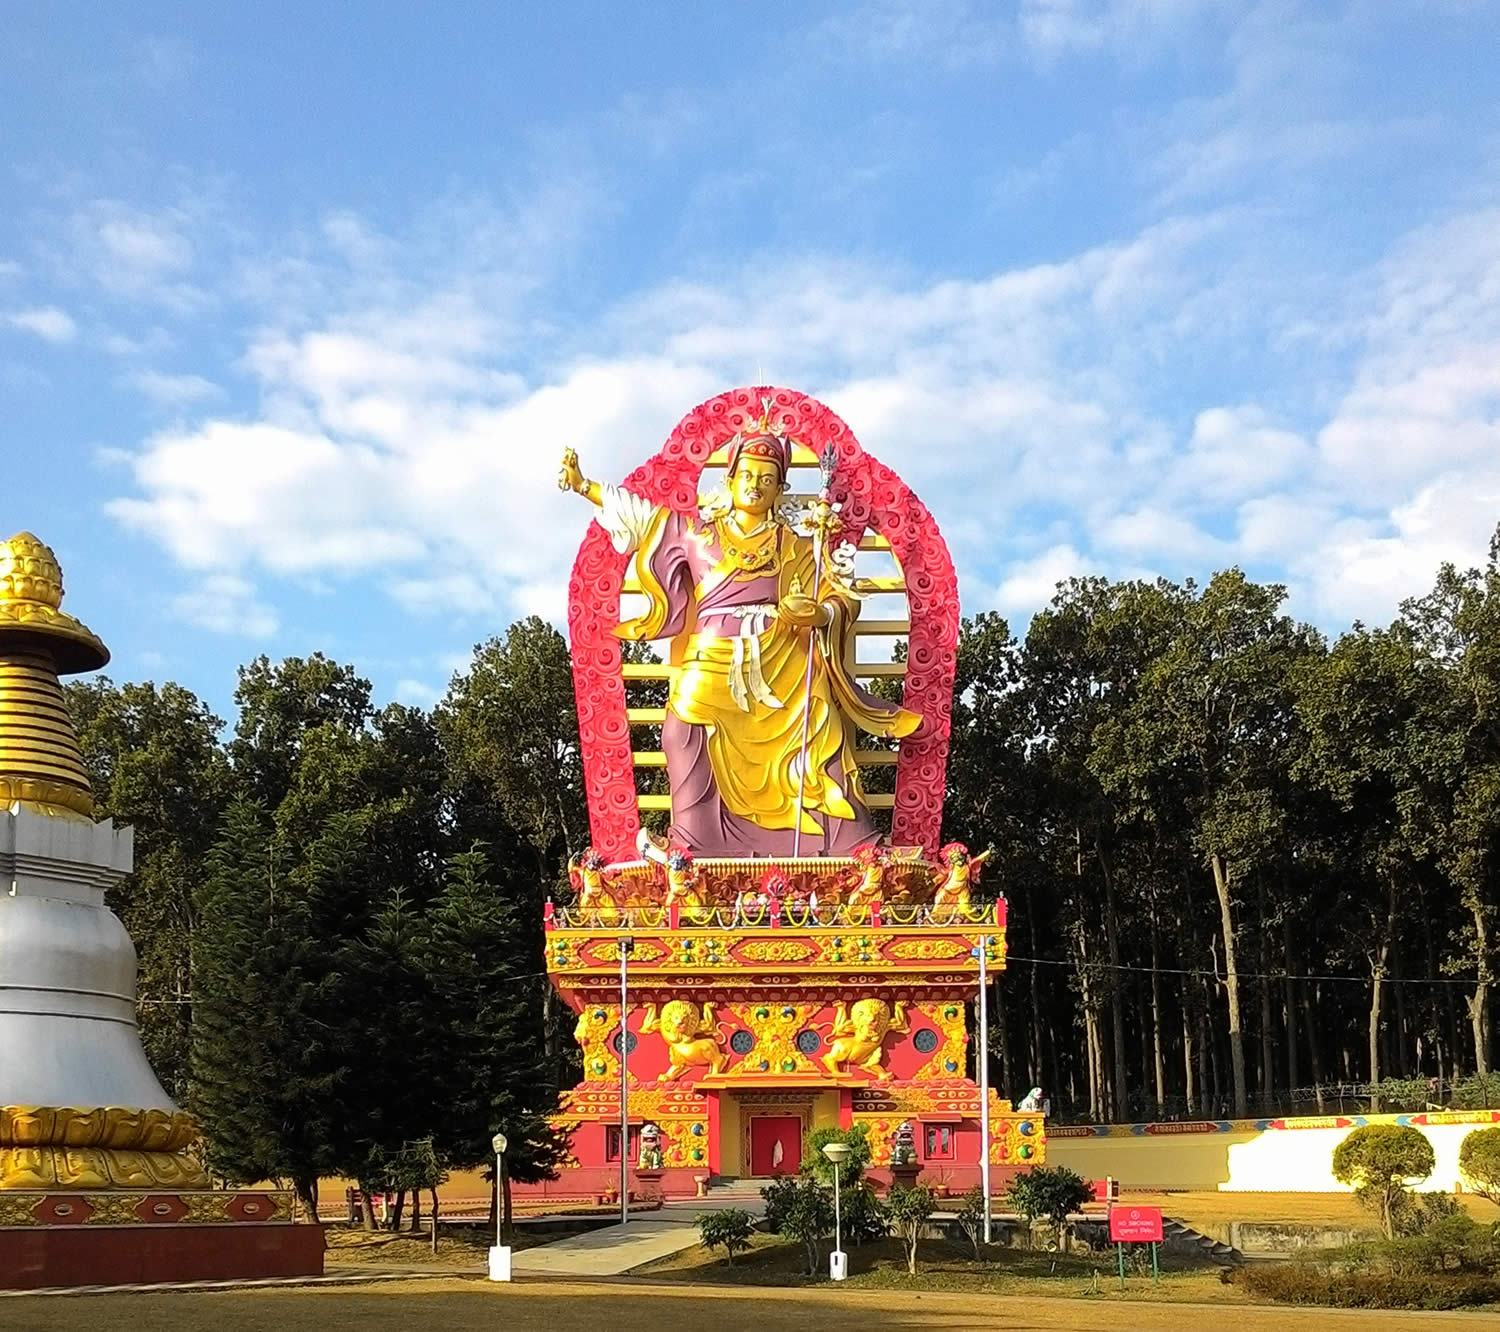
point(775, 1145)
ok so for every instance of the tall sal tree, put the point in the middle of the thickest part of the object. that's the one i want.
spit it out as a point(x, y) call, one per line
point(1374, 712)
point(1458, 622)
point(1206, 742)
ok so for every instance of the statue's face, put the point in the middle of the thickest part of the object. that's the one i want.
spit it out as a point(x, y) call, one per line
point(679, 1020)
point(755, 486)
point(871, 1019)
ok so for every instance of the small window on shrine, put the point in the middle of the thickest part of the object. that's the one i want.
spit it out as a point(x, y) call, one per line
point(612, 1142)
point(939, 1142)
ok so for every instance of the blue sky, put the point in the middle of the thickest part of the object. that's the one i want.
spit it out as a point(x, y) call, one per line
point(300, 302)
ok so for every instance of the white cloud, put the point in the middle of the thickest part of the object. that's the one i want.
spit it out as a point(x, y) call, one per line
point(1052, 29)
point(137, 254)
point(226, 605)
point(1235, 452)
point(47, 322)
point(1148, 531)
point(415, 693)
point(395, 439)
point(409, 430)
point(1030, 584)
point(175, 390)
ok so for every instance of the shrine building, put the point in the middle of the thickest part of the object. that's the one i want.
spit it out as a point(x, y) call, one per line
point(800, 948)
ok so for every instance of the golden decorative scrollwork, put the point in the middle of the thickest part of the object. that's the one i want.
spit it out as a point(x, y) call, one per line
point(776, 950)
point(927, 950)
point(595, 1025)
point(951, 1020)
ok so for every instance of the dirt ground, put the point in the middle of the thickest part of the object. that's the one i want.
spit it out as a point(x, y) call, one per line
point(456, 1305)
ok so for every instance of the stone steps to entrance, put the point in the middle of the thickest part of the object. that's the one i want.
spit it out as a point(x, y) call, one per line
point(1185, 1236)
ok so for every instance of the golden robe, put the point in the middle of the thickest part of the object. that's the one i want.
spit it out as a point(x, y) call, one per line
point(734, 730)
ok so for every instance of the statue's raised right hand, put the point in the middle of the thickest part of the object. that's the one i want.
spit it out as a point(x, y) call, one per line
point(569, 477)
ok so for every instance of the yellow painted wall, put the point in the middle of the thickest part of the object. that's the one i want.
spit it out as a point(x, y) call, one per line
point(1296, 1159)
point(1187, 1162)
point(729, 1135)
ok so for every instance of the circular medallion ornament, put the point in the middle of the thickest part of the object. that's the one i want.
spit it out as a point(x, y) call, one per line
point(808, 1041)
point(742, 1042)
point(631, 1041)
point(925, 1040)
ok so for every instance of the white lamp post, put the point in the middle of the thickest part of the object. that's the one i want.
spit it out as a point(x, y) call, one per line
point(627, 946)
point(500, 1254)
point(982, 953)
point(838, 1264)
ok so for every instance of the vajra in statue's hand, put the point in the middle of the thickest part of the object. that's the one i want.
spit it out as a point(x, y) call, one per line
point(569, 476)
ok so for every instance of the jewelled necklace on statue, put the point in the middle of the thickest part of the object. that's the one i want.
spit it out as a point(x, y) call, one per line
point(754, 552)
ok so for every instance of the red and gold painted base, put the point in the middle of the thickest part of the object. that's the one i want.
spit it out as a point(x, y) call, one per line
point(739, 1042)
point(100, 1238)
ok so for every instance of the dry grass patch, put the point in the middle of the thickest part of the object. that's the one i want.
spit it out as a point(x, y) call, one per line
point(1211, 1212)
point(943, 1266)
point(460, 1248)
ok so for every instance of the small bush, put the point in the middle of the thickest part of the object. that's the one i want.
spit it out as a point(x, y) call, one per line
point(1418, 1213)
point(908, 1211)
point(1479, 1162)
point(801, 1209)
point(852, 1170)
point(971, 1219)
point(728, 1229)
point(1316, 1283)
point(1049, 1193)
point(863, 1217)
point(1479, 1091)
point(1382, 1161)
point(780, 1195)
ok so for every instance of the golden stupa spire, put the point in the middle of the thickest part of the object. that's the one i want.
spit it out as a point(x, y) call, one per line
point(41, 764)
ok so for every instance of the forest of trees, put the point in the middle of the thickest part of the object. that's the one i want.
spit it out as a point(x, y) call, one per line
point(1247, 867)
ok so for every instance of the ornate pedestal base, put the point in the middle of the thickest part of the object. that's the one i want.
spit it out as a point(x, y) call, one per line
point(119, 1238)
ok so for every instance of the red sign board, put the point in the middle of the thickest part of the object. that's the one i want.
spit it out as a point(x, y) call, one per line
point(1134, 1225)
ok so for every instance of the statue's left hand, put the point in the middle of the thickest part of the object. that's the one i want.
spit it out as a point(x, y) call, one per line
point(802, 611)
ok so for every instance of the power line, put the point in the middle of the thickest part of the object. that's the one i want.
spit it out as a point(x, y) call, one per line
point(1243, 975)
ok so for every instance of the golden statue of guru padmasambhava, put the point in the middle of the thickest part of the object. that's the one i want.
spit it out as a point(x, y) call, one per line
point(748, 600)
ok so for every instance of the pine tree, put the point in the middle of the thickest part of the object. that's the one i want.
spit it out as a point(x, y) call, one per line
point(479, 966)
point(264, 1063)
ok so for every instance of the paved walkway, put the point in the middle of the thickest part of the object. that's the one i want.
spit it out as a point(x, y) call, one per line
point(609, 1251)
point(615, 1250)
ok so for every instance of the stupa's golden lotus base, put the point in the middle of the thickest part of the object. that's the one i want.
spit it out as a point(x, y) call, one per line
point(105, 1147)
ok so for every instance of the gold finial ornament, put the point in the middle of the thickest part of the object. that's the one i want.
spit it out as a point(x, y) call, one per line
point(41, 764)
